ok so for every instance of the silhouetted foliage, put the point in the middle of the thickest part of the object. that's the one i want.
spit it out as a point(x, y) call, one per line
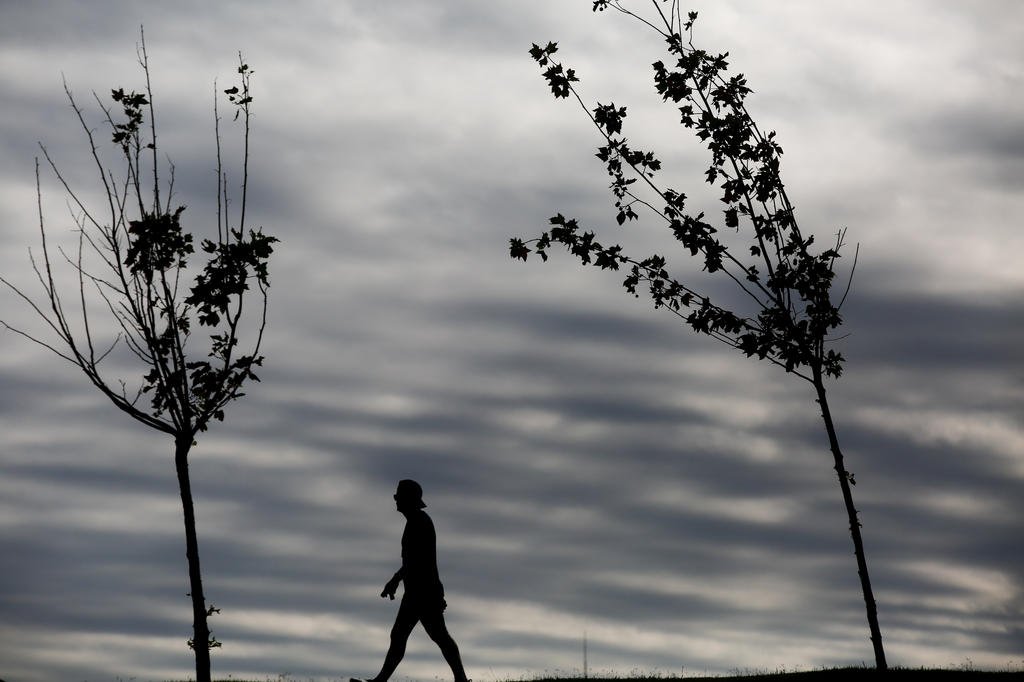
point(788, 283)
point(143, 254)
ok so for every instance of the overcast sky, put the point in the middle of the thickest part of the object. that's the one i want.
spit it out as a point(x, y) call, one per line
point(590, 464)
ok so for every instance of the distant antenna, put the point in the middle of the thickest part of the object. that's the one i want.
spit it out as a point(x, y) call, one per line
point(585, 654)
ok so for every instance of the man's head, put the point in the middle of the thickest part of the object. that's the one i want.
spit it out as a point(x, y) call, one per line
point(409, 495)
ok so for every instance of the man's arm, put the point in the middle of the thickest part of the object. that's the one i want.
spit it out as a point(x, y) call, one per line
point(392, 585)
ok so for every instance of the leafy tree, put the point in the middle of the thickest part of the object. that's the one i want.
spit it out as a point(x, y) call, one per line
point(785, 283)
point(133, 259)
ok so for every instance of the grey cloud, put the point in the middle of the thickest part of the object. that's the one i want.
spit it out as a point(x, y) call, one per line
point(589, 463)
point(986, 143)
point(926, 332)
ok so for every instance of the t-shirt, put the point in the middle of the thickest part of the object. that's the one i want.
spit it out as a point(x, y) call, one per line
point(419, 556)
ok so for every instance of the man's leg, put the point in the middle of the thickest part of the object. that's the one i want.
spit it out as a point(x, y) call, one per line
point(405, 621)
point(438, 631)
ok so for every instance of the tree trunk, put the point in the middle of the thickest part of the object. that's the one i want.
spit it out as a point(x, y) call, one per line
point(200, 630)
point(858, 544)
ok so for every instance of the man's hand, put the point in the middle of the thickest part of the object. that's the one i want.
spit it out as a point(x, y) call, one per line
point(390, 588)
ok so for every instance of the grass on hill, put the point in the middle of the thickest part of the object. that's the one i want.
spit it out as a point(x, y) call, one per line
point(963, 674)
point(831, 675)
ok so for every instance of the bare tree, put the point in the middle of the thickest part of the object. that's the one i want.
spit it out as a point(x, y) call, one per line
point(132, 260)
point(785, 286)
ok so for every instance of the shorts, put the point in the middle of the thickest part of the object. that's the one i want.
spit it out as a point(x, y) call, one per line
point(420, 604)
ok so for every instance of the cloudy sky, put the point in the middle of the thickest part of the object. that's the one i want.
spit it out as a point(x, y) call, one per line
point(590, 464)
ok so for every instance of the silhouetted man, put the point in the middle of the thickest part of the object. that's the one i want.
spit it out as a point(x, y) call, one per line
point(423, 599)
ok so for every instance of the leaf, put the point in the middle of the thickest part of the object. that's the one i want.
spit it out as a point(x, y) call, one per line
point(518, 249)
point(731, 219)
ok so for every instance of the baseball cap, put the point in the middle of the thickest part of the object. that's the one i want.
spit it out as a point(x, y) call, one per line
point(409, 489)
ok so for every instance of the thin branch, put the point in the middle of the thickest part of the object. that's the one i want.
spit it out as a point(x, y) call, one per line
point(220, 167)
point(37, 341)
point(107, 352)
point(849, 281)
point(618, 6)
point(144, 62)
point(243, 70)
point(81, 294)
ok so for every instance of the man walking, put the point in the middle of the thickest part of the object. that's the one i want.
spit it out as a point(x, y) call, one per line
point(423, 599)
